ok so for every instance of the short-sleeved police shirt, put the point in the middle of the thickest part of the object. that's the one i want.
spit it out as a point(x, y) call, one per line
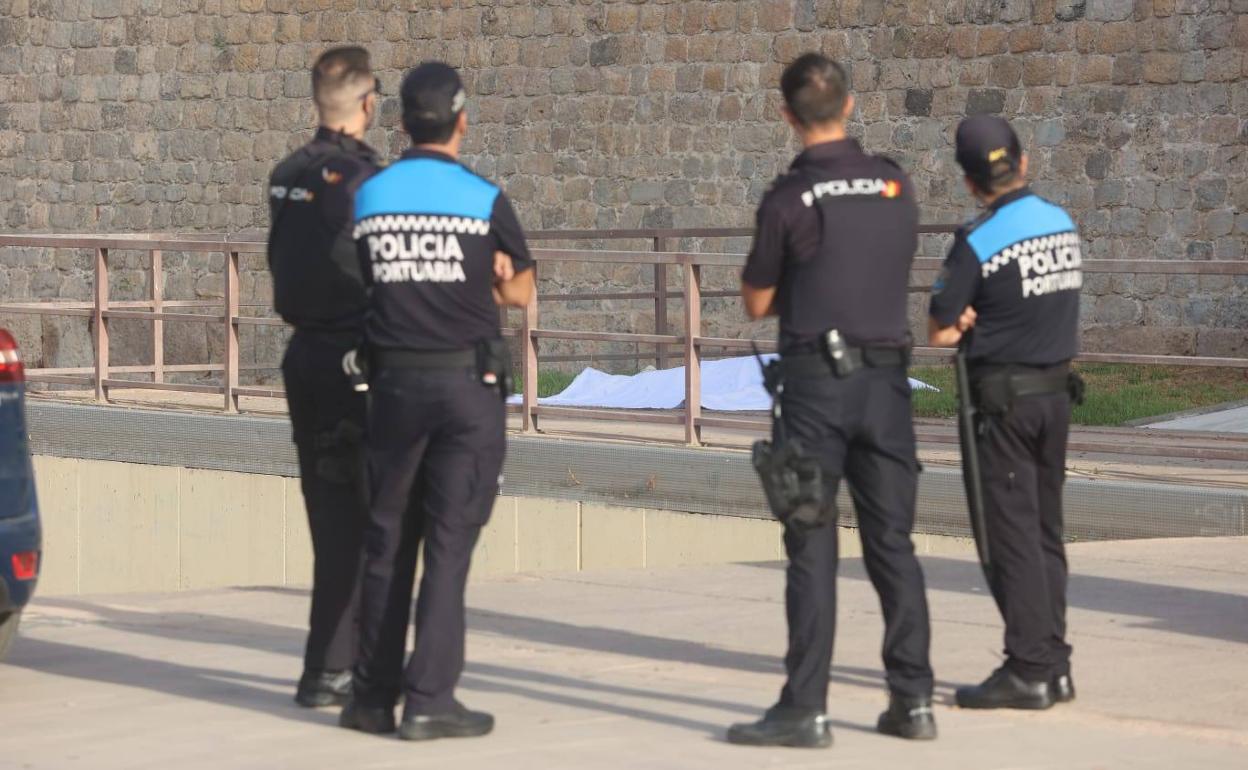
point(426, 231)
point(836, 236)
point(317, 283)
point(1019, 266)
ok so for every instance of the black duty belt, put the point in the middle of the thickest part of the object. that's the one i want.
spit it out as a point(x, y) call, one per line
point(996, 388)
point(810, 365)
point(425, 359)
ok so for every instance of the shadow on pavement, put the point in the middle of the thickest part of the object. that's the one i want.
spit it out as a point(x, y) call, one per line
point(189, 627)
point(233, 688)
point(237, 689)
point(286, 640)
point(1190, 611)
point(620, 642)
point(227, 688)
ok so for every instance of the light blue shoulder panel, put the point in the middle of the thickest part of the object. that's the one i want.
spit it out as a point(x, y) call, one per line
point(426, 186)
point(1028, 217)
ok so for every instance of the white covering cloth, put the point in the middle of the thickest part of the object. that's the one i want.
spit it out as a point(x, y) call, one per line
point(728, 385)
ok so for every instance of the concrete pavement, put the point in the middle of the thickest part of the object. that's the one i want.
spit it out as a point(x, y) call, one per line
point(1230, 420)
point(643, 669)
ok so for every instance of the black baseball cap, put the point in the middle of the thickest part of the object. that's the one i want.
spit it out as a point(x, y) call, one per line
point(988, 149)
point(432, 97)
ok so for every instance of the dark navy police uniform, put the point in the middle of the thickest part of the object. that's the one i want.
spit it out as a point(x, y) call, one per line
point(427, 229)
point(836, 236)
point(1018, 265)
point(318, 289)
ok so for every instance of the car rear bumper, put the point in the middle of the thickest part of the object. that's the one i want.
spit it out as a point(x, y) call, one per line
point(17, 535)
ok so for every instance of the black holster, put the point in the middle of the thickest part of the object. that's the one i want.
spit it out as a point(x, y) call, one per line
point(792, 479)
point(494, 365)
point(792, 482)
point(1077, 387)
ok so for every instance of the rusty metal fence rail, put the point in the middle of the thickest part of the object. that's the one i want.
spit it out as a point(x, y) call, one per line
point(691, 343)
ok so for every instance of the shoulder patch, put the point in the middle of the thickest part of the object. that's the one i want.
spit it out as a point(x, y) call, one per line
point(780, 178)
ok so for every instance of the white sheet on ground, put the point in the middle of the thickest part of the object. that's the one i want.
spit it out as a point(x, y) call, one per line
point(728, 385)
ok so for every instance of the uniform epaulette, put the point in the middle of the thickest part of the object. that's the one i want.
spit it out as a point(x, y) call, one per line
point(776, 182)
point(973, 222)
point(890, 161)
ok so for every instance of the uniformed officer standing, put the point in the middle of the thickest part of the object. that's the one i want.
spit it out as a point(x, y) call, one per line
point(831, 257)
point(318, 289)
point(428, 232)
point(1013, 275)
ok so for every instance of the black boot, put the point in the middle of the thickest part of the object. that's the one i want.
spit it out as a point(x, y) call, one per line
point(367, 719)
point(784, 726)
point(318, 689)
point(1063, 688)
point(1006, 690)
point(908, 718)
point(457, 723)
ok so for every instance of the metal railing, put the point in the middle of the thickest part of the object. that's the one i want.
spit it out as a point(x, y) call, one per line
point(692, 343)
point(156, 309)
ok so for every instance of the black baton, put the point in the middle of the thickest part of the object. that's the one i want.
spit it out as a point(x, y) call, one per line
point(971, 477)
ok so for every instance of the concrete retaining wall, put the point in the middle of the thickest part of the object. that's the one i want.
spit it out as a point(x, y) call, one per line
point(112, 527)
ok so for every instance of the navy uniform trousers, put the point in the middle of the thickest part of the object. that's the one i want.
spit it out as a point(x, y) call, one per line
point(1022, 456)
point(436, 439)
point(861, 429)
point(328, 420)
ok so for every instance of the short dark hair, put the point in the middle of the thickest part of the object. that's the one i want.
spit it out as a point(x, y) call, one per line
point(991, 183)
point(816, 89)
point(338, 79)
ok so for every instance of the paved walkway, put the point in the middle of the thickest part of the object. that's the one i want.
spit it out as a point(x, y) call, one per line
point(1233, 420)
point(643, 669)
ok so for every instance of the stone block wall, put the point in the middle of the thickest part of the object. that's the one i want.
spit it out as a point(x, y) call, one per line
point(166, 115)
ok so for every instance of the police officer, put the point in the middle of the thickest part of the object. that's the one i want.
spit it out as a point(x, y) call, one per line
point(318, 289)
point(831, 257)
point(429, 231)
point(1010, 285)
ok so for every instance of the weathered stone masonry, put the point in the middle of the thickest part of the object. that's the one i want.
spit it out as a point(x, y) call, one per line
point(166, 115)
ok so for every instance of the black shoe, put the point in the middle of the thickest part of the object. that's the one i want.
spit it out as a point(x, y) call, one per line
point(367, 719)
point(1063, 688)
point(1006, 690)
point(458, 723)
point(784, 726)
point(910, 718)
point(318, 689)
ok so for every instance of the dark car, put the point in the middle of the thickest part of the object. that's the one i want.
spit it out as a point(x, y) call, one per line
point(20, 534)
